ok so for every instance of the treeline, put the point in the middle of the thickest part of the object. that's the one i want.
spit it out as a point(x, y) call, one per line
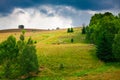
point(104, 32)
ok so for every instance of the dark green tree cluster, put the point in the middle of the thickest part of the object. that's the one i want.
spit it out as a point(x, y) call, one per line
point(70, 30)
point(83, 30)
point(101, 32)
point(116, 46)
point(17, 58)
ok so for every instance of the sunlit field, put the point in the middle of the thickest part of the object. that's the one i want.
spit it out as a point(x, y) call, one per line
point(59, 59)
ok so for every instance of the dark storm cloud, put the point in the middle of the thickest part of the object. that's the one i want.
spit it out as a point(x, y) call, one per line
point(8, 5)
point(44, 13)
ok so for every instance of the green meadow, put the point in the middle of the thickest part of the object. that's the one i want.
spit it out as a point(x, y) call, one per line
point(59, 59)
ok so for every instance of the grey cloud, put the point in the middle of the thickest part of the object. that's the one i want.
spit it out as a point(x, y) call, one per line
point(48, 16)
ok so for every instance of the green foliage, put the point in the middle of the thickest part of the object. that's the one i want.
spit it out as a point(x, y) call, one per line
point(35, 42)
point(22, 37)
point(28, 60)
point(23, 31)
point(116, 47)
point(61, 66)
point(78, 59)
point(101, 22)
point(101, 31)
point(18, 57)
point(83, 30)
point(72, 40)
point(70, 30)
point(8, 54)
point(104, 47)
point(30, 41)
point(8, 49)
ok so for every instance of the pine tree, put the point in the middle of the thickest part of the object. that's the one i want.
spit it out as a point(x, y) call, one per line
point(8, 56)
point(68, 30)
point(72, 40)
point(71, 30)
point(104, 47)
point(18, 57)
point(83, 30)
point(116, 47)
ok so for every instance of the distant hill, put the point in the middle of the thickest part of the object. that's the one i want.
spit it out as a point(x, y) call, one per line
point(19, 30)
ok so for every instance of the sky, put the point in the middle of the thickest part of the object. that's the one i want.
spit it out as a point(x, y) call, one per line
point(49, 14)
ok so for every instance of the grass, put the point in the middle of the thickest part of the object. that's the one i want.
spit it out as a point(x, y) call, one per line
point(59, 59)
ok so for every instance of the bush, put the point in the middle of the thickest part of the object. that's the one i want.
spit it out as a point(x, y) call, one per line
point(61, 67)
point(18, 58)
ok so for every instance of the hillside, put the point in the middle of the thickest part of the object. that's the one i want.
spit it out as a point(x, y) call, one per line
point(59, 59)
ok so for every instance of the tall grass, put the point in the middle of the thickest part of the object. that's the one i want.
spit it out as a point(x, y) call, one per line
point(60, 59)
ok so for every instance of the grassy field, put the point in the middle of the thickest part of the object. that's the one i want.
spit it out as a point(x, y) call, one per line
point(59, 59)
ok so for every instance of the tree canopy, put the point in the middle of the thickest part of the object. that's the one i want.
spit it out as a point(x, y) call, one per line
point(101, 32)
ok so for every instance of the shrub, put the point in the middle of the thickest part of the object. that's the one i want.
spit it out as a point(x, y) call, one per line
point(61, 67)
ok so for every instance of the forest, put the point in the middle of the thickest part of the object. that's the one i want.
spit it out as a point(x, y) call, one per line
point(104, 32)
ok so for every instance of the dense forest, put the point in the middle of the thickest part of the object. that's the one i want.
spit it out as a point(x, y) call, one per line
point(104, 32)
